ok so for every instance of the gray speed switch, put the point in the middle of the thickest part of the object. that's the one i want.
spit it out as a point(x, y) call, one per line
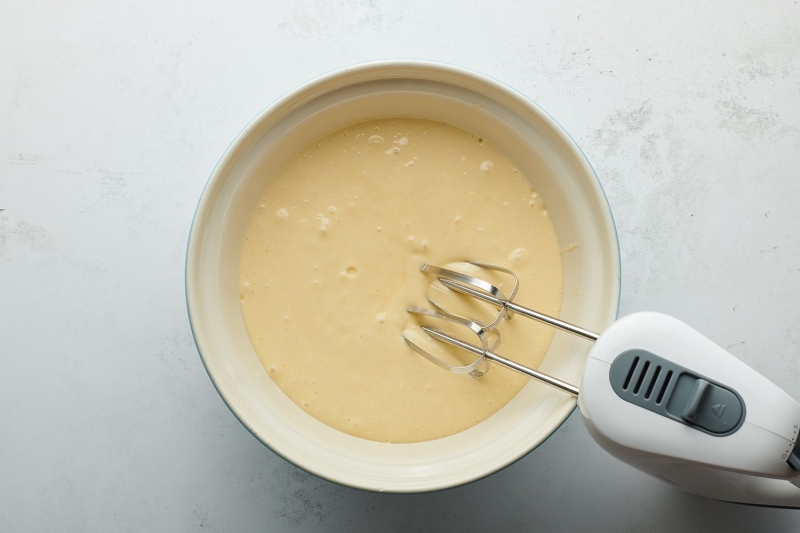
point(705, 405)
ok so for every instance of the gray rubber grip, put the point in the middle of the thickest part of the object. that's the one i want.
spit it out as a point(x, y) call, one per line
point(673, 391)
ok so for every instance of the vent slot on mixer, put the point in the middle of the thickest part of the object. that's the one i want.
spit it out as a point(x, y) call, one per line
point(664, 386)
point(630, 373)
point(642, 375)
point(652, 383)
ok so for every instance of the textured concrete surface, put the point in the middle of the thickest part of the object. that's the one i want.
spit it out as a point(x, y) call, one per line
point(112, 115)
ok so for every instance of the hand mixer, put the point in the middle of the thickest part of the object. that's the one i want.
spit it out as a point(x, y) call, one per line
point(655, 394)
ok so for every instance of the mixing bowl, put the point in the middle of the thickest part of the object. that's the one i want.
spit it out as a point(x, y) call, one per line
point(540, 148)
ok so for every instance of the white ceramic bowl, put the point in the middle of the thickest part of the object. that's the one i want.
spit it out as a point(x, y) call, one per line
point(540, 148)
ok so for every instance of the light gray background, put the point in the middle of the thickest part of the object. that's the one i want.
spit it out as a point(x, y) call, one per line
point(112, 115)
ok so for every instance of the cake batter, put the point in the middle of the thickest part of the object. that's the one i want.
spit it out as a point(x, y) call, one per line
point(330, 261)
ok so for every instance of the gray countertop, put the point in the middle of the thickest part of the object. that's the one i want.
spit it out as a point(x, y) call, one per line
point(112, 115)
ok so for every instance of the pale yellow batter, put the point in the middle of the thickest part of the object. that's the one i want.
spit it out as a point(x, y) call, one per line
point(331, 260)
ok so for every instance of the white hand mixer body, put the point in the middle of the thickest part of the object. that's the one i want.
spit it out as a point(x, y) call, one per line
point(747, 456)
point(658, 395)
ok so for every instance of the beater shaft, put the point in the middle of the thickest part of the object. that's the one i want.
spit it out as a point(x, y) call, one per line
point(530, 313)
point(491, 356)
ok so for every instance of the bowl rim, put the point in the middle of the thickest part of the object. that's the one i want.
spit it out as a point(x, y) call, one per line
point(304, 89)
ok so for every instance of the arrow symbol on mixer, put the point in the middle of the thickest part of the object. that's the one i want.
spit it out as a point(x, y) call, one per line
point(718, 410)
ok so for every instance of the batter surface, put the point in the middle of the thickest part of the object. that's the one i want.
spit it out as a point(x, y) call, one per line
point(330, 262)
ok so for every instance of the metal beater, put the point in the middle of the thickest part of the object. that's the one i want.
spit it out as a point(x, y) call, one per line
point(486, 292)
